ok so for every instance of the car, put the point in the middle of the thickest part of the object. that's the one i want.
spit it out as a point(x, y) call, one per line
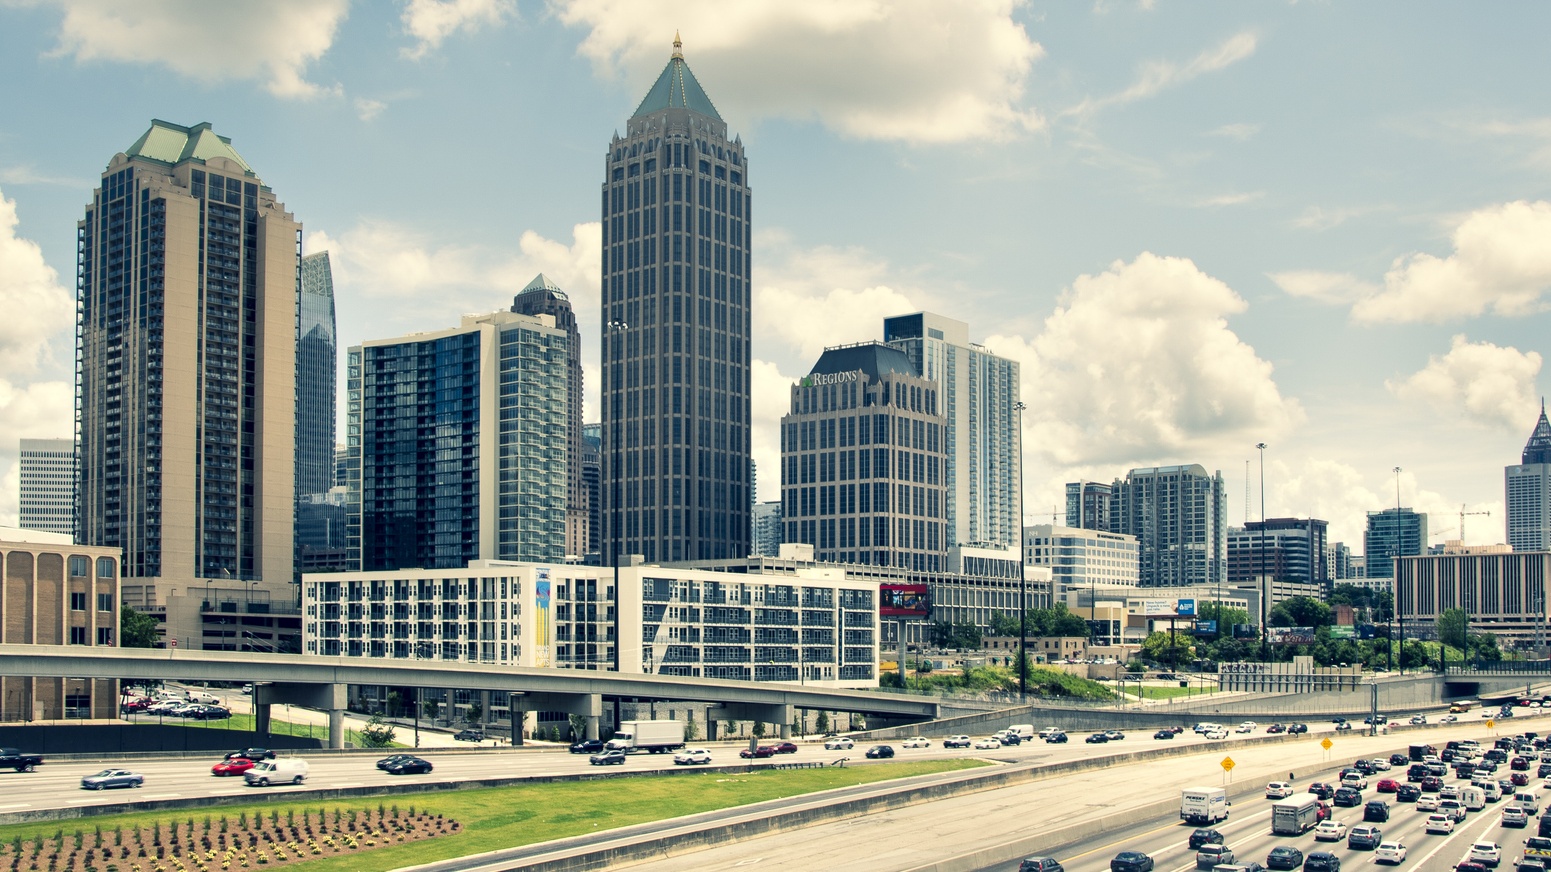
point(1427, 802)
point(1114, 735)
point(1387, 785)
point(1399, 760)
point(846, 743)
point(1046, 732)
point(1246, 727)
point(1097, 739)
point(1294, 729)
point(1284, 857)
point(1469, 866)
point(1163, 734)
point(880, 752)
point(987, 744)
point(1407, 793)
point(1376, 811)
point(232, 766)
point(758, 752)
point(1515, 816)
point(1355, 781)
point(1008, 738)
point(409, 764)
point(112, 778)
point(1449, 791)
point(1278, 790)
point(785, 747)
point(252, 754)
point(1449, 719)
point(1364, 838)
point(1452, 807)
point(1040, 864)
point(1365, 767)
point(692, 757)
point(1340, 728)
point(609, 757)
point(1519, 764)
point(1393, 853)
point(1330, 831)
point(587, 746)
point(1322, 790)
point(1205, 836)
point(1379, 764)
point(1431, 784)
point(1418, 719)
point(1131, 861)
point(1322, 861)
point(1440, 824)
point(1486, 852)
point(916, 742)
point(1218, 733)
point(469, 736)
point(1519, 779)
point(385, 762)
point(1276, 728)
point(950, 742)
point(1348, 796)
point(1211, 855)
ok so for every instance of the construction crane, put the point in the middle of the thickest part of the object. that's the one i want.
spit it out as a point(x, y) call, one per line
point(1462, 514)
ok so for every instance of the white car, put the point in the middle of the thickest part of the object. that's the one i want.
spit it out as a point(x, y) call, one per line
point(1449, 719)
point(1246, 727)
point(1441, 824)
point(957, 742)
point(839, 743)
point(1331, 831)
point(916, 742)
point(1449, 791)
point(1380, 764)
point(1427, 802)
point(692, 757)
point(1487, 853)
point(1278, 790)
point(1355, 781)
point(1390, 852)
point(1513, 816)
point(1217, 733)
point(1452, 807)
point(988, 744)
point(1050, 731)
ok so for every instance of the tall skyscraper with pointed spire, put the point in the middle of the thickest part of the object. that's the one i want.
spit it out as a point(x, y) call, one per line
point(676, 307)
point(1527, 491)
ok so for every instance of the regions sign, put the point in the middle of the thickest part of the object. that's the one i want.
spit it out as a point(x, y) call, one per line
point(1180, 608)
point(1290, 635)
point(904, 601)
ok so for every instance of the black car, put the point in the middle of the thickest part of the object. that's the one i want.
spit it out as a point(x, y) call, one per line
point(1416, 772)
point(252, 754)
point(1322, 790)
point(1056, 739)
point(1097, 739)
point(1008, 739)
point(1169, 734)
point(1293, 729)
point(1364, 766)
point(385, 762)
point(1398, 759)
point(1283, 857)
point(1205, 836)
point(1131, 861)
point(879, 752)
point(1322, 861)
point(1376, 811)
point(588, 746)
point(1408, 793)
point(409, 765)
point(1543, 771)
point(1040, 864)
point(1349, 796)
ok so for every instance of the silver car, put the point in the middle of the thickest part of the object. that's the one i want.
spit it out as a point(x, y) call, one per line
point(112, 778)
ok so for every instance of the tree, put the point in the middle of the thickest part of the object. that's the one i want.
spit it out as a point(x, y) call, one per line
point(1225, 616)
point(1301, 611)
point(822, 724)
point(136, 630)
point(1003, 624)
point(1453, 628)
point(475, 711)
point(395, 703)
point(1161, 648)
point(966, 635)
point(1060, 622)
point(691, 729)
point(578, 726)
point(759, 729)
point(430, 708)
point(377, 734)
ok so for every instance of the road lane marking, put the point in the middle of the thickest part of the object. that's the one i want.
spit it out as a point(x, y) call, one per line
point(17, 805)
point(348, 784)
point(163, 796)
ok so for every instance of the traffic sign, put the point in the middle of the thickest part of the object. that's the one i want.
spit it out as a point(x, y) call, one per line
point(1227, 764)
point(1325, 743)
point(1491, 724)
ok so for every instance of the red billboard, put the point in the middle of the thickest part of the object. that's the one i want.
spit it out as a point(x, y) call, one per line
point(904, 601)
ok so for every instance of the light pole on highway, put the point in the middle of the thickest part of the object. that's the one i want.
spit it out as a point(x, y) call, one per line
point(1023, 575)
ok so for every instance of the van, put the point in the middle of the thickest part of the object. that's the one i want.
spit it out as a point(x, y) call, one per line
point(202, 697)
point(1025, 732)
point(1492, 789)
point(1527, 800)
point(1474, 798)
point(285, 770)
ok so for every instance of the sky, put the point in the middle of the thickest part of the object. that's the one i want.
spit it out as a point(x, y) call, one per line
point(1322, 226)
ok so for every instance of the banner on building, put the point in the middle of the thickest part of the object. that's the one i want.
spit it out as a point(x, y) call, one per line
point(1343, 631)
point(1180, 608)
point(904, 601)
point(1291, 635)
point(541, 601)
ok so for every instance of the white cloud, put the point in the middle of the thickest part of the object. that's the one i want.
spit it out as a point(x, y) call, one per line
point(274, 41)
point(1157, 76)
point(432, 21)
point(1326, 287)
point(1320, 218)
point(1235, 199)
point(37, 306)
point(1478, 381)
point(770, 396)
point(367, 109)
point(1241, 131)
point(913, 70)
point(41, 410)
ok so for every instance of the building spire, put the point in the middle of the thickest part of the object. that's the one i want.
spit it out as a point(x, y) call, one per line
point(678, 46)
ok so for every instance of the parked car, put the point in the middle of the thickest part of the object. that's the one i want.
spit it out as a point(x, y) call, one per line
point(1284, 857)
point(692, 757)
point(587, 746)
point(951, 742)
point(469, 736)
point(846, 743)
point(1131, 861)
point(880, 752)
point(112, 778)
point(759, 752)
point(1393, 853)
point(916, 742)
point(609, 757)
point(409, 765)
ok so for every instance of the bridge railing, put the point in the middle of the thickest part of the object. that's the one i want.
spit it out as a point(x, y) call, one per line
point(1503, 667)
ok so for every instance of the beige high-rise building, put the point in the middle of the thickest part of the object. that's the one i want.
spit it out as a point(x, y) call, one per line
point(186, 378)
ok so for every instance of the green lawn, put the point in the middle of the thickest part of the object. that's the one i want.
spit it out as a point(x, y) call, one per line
point(277, 727)
point(508, 817)
point(1149, 692)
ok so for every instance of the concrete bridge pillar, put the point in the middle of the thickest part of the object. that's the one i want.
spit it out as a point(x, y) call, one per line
point(587, 705)
point(324, 697)
point(768, 713)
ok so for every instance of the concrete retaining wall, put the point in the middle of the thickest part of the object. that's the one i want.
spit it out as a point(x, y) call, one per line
point(126, 738)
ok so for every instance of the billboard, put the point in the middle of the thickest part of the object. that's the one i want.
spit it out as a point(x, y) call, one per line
point(1367, 631)
point(1206, 628)
point(1245, 631)
point(1340, 631)
point(1291, 635)
point(541, 603)
point(904, 601)
point(1180, 608)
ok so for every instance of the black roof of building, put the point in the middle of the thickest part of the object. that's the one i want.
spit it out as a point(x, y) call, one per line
point(873, 358)
point(1538, 448)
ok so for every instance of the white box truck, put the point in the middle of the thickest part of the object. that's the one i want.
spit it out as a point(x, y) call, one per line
point(1295, 815)
point(1203, 806)
point(656, 737)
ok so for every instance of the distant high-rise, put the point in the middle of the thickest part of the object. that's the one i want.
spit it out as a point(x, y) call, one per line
point(48, 486)
point(1284, 549)
point(767, 530)
point(317, 363)
point(1179, 516)
point(1527, 491)
point(544, 297)
point(1088, 505)
point(186, 366)
point(676, 317)
point(979, 397)
point(1392, 533)
point(592, 470)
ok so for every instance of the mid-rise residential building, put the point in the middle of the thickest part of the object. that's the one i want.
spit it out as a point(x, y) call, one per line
point(1503, 593)
point(1088, 504)
point(1080, 557)
point(767, 529)
point(543, 297)
point(1392, 533)
point(676, 313)
point(1527, 491)
point(979, 393)
point(47, 493)
point(458, 445)
point(864, 461)
point(1285, 549)
point(1341, 561)
point(1179, 516)
point(186, 372)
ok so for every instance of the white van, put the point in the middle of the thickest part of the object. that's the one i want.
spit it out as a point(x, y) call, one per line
point(1527, 800)
point(1473, 797)
point(1025, 732)
point(202, 697)
point(285, 770)
point(1492, 789)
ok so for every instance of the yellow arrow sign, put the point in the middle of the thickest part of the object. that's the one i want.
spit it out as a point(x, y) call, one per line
point(1227, 764)
point(1325, 743)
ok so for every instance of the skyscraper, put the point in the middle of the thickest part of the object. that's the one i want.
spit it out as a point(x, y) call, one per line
point(186, 366)
point(1392, 533)
point(316, 376)
point(1527, 491)
point(676, 316)
point(48, 485)
point(543, 297)
point(1179, 516)
point(1088, 505)
point(979, 396)
point(1285, 549)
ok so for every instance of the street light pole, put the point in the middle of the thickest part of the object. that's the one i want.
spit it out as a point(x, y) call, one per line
point(615, 453)
point(1394, 578)
point(1265, 590)
point(1023, 575)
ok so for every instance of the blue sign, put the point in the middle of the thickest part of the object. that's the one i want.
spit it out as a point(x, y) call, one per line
point(1187, 608)
point(1206, 628)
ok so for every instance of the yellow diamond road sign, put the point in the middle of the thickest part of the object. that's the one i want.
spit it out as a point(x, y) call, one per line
point(1490, 724)
point(1325, 743)
point(1227, 764)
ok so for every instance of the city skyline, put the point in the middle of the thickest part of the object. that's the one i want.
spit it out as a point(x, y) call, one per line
point(1189, 241)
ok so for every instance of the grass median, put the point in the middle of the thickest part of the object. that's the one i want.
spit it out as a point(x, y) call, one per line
point(494, 818)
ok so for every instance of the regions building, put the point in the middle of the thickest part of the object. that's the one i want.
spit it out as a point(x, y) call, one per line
point(1391, 534)
point(1527, 491)
point(47, 494)
point(1503, 593)
point(543, 297)
point(1080, 557)
point(1284, 549)
point(676, 312)
point(1179, 516)
point(458, 445)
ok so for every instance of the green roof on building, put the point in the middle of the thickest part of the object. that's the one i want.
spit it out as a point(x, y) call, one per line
point(677, 88)
point(173, 144)
point(542, 284)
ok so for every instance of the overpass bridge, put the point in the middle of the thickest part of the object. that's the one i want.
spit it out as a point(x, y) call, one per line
point(321, 682)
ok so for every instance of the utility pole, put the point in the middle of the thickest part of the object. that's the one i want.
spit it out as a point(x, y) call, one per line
point(1265, 589)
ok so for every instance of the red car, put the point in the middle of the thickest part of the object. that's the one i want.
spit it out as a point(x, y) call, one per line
point(1276, 728)
point(1388, 785)
point(760, 752)
point(1432, 784)
point(1520, 779)
point(232, 766)
point(784, 748)
point(137, 704)
point(1520, 764)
